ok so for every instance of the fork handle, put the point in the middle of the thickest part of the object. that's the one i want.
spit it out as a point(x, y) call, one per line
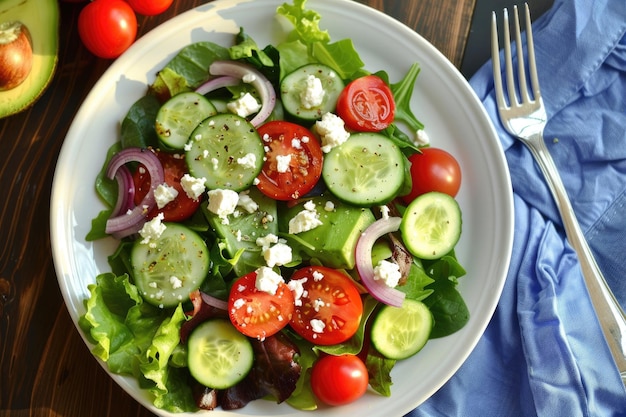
point(610, 314)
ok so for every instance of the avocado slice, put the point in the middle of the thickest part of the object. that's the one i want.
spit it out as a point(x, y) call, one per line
point(41, 17)
point(333, 242)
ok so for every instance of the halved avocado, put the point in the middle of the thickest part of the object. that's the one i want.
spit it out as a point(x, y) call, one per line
point(41, 17)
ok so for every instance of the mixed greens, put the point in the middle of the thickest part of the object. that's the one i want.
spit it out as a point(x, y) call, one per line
point(139, 331)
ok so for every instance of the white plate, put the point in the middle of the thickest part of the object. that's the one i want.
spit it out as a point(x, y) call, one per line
point(454, 118)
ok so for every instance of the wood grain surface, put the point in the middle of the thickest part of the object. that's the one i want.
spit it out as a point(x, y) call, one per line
point(45, 368)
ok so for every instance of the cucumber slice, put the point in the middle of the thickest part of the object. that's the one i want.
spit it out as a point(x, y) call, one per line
point(179, 116)
point(218, 355)
point(365, 170)
point(401, 332)
point(227, 151)
point(296, 96)
point(169, 267)
point(431, 225)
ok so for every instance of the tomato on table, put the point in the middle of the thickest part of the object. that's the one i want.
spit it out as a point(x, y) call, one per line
point(293, 162)
point(339, 380)
point(366, 104)
point(107, 27)
point(174, 168)
point(329, 309)
point(433, 170)
point(258, 313)
point(150, 7)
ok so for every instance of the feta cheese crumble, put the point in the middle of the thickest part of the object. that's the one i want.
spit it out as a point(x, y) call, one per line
point(164, 194)
point(297, 288)
point(247, 161)
point(312, 95)
point(152, 230)
point(244, 106)
point(267, 280)
point(421, 138)
point(305, 220)
point(317, 325)
point(332, 131)
point(282, 163)
point(247, 203)
point(193, 187)
point(388, 272)
point(277, 255)
point(222, 203)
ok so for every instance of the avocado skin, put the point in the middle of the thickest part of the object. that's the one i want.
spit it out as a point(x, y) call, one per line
point(332, 243)
point(41, 17)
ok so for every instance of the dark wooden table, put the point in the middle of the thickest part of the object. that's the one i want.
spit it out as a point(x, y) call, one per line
point(45, 368)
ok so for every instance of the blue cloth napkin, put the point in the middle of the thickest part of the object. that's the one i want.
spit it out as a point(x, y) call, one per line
point(543, 353)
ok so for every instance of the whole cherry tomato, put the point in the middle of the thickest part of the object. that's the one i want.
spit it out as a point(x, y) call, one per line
point(339, 380)
point(433, 170)
point(150, 7)
point(107, 27)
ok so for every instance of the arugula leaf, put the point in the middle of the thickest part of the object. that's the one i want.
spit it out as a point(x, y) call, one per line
point(402, 93)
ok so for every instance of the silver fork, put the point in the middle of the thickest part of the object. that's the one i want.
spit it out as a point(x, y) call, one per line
point(525, 118)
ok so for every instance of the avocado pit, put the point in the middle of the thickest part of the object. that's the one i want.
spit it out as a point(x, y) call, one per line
point(16, 54)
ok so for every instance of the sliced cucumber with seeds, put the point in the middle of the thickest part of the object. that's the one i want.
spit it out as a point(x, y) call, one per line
point(401, 332)
point(366, 170)
point(227, 151)
point(179, 116)
point(300, 101)
point(431, 225)
point(166, 269)
point(218, 355)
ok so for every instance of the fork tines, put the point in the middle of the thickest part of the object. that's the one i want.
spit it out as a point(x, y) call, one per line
point(522, 91)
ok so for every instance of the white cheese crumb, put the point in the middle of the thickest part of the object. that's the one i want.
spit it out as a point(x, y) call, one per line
point(152, 230)
point(176, 282)
point(317, 276)
point(282, 163)
point(421, 138)
point(247, 203)
point(247, 161)
point(277, 255)
point(267, 280)
point(388, 272)
point(164, 194)
point(267, 240)
point(297, 288)
point(244, 106)
point(312, 95)
point(332, 131)
point(193, 187)
point(329, 206)
point(305, 220)
point(222, 202)
point(317, 325)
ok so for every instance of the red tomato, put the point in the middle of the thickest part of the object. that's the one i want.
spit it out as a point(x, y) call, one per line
point(257, 313)
point(366, 104)
point(330, 308)
point(150, 7)
point(433, 170)
point(301, 165)
point(107, 27)
point(339, 380)
point(174, 167)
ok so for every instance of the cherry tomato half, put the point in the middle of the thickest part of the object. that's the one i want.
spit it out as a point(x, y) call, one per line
point(257, 313)
point(339, 380)
point(330, 308)
point(366, 104)
point(174, 167)
point(433, 170)
point(293, 162)
point(107, 27)
point(150, 7)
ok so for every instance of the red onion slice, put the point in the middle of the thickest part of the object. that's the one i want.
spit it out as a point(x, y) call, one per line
point(126, 191)
point(213, 301)
point(249, 74)
point(130, 222)
point(217, 83)
point(378, 289)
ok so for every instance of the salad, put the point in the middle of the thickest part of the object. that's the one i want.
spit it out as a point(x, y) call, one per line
point(283, 232)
